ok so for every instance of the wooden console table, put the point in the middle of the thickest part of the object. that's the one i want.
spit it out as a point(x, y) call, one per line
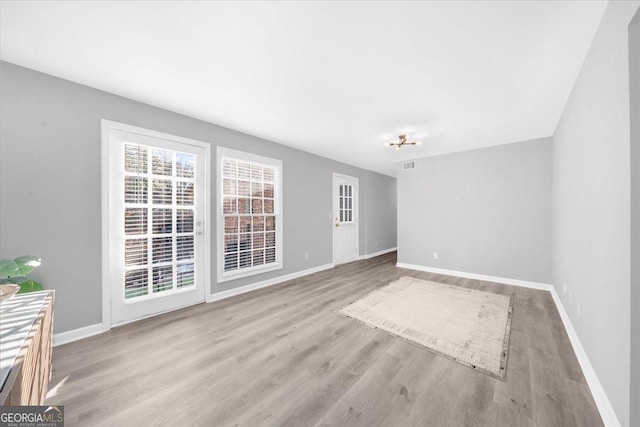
point(26, 328)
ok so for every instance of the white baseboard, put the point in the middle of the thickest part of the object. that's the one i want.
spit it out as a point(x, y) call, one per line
point(78, 334)
point(375, 254)
point(91, 330)
point(513, 282)
point(217, 296)
point(608, 414)
point(605, 408)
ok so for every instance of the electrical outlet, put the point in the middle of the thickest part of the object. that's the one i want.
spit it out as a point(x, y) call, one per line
point(435, 255)
point(306, 256)
point(564, 287)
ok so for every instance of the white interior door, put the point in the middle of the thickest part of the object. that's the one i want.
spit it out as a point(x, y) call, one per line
point(156, 215)
point(345, 216)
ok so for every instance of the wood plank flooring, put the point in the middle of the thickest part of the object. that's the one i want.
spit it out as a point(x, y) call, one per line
point(282, 356)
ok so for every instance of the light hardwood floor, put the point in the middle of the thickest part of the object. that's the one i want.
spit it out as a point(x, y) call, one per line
point(283, 356)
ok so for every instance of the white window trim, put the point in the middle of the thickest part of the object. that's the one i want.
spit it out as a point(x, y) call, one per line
point(250, 271)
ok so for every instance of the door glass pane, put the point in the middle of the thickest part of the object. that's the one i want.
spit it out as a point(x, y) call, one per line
point(135, 221)
point(345, 203)
point(162, 221)
point(162, 249)
point(135, 158)
point(162, 278)
point(186, 275)
point(135, 189)
point(167, 213)
point(135, 283)
point(162, 191)
point(135, 252)
point(185, 193)
point(184, 221)
point(185, 165)
point(162, 162)
point(185, 248)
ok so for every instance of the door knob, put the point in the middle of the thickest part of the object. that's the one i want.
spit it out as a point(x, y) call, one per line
point(337, 224)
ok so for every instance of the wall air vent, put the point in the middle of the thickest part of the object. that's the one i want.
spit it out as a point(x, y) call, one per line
point(407, 166)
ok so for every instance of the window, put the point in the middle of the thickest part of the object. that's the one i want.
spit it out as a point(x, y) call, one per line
point(158, 193)
point(346, 203)
point(249, 214)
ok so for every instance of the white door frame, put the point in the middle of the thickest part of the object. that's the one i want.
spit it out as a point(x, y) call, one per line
point(356, 210)
point(107, 126)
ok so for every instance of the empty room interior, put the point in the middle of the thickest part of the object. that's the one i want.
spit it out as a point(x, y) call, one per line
point(359, 213)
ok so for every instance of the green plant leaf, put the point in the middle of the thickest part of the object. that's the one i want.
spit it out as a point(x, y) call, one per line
point(30, 286)
point(33, 261)
point(9, 268)
point(27, 263)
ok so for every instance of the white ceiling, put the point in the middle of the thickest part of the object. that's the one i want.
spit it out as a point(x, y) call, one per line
point(333, 78)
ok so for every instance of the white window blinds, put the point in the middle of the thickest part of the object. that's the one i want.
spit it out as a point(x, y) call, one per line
point(251, 217)
point(158, 220)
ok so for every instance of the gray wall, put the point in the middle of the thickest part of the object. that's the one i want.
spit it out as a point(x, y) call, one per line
point(634, 82)
point(591, 205)
point(462, 206)
point(50, 187)
point(381, 208)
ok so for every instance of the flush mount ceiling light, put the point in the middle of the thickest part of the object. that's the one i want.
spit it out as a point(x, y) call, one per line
point(402, 141)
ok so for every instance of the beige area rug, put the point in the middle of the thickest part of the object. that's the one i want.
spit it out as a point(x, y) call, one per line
point(466, 325)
